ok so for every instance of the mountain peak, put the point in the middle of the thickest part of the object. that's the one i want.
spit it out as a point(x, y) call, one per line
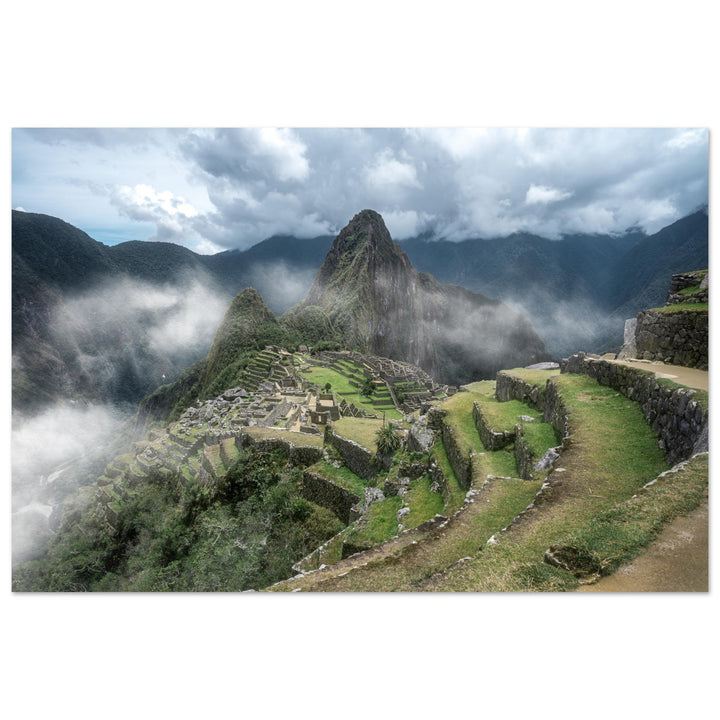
point(368, 290)
point(366, 228)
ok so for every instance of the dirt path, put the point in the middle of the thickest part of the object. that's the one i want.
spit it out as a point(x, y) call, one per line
point(691, 377)
point(676, 562)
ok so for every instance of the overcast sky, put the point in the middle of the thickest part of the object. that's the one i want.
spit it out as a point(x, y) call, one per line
point(214, 189)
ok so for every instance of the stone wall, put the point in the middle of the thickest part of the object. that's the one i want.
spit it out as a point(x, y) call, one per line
point(555, 412)
point(301, 455)
point(675, 415)
point(460, 461)
point(678, 338)
point(324, 492)
point(524, 456)
point(491, 439)
point(508, 387)
point(355, 456)
point(686, 280)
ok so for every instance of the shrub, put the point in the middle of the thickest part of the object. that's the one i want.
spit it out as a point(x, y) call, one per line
point(387, 439)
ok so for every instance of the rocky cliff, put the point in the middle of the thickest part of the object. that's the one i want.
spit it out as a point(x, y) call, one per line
point(368, 290)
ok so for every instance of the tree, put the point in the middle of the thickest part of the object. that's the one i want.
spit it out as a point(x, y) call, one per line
point(368, 388)
point(327, 387)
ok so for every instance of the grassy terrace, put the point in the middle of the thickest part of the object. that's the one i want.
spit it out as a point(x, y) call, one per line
point(613, 453)
point(502, 416)
point(617, 535)
point(361, 430)
point(411, 564)
point(423, 503)
point(680, 307)
point(378, 523)
point(264, 433)
point(534, 377)
point(342, 476)
point(342, 387)
point(212, 453)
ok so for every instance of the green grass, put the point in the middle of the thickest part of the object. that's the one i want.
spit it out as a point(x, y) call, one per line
point(499, 463)
point(502, 416)
point(690, 290)
point(423, 503)
point(616, 536)
point(540, 437)
point(465, 535)
point(362, 430)
point(342, 476)
point(300, 439)
point(459, 418)
point(212, 453)
point(379, 523)
point(342, 386)
point(680, 307)
point(612, 453)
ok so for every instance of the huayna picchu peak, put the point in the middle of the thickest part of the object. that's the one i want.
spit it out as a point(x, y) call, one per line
point(369, 290)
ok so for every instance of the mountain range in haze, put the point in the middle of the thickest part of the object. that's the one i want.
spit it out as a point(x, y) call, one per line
point(114, 322)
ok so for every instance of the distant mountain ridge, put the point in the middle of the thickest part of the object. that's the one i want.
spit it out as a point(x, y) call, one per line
point(576, 291)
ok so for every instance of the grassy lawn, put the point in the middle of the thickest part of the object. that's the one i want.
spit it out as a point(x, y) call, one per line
point(459, 418)
point(503, 416)
point(379, 523)
point(612, 455)
point(342, 476)
point(423, 503)
point(540, 437)
point(361, 430)
point(499, 463)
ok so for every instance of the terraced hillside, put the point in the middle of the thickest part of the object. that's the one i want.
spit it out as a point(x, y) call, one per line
point(538, 480)
point(605, 498)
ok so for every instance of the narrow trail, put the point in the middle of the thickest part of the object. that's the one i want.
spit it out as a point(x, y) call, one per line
point(677, 561)
point(691, 377)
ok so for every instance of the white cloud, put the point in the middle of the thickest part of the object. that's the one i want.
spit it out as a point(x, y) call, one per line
point(404, 224)
point(147, 198)
point(543, 195)
point(285, 152)
point(687, 138)
point(224, 188)
point(385, 170)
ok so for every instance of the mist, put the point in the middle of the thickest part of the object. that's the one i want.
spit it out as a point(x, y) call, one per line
point(569, 326)
point(281, 286)
point(118, 341)
point(127, 337)
point(52, 454)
